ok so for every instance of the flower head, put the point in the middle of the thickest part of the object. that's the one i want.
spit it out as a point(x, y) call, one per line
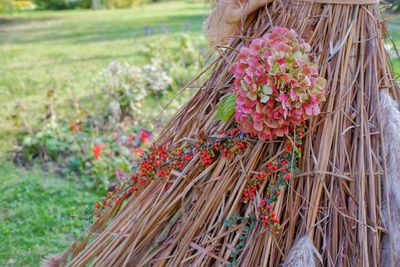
point(145, 136)
point(276, 84)
point(97, 150)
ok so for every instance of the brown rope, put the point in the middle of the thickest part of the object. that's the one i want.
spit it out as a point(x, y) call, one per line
point(344, 2)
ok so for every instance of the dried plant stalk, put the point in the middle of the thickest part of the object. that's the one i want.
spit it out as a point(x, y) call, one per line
point(335, 201)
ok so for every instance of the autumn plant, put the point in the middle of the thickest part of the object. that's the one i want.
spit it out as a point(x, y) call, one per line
point(276, 89)
point(342, 149)
point(124, 88)
point(95, 146)
point(276, 85)
point(158, 163)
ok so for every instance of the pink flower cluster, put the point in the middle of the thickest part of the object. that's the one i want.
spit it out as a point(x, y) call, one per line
point(276, 84)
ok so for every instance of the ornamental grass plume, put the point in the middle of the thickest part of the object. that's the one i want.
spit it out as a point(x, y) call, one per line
point(276, 84)
point(390, 117)
point(302, 254)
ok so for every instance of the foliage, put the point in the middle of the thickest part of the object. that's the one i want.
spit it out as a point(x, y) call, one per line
point(98, 146)
point(276, 84)
point(5, 5)
point(69, 55)
point(94, 157)
point(159, 163)
point(124, 87)
point(86, 3)
point(121, 3)
point(93, 147)
point(395, 5)
point(226, 108)
point(64, 4)
point(70, 4)
point(23, 4)
point(42, 213)
point(284, 168)
point(249, 224)
point(57, 4)
point(180, 58)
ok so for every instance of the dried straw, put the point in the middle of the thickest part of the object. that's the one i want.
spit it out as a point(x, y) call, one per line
point(336, 200)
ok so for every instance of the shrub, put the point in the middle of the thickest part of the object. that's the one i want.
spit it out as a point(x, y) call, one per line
point(124, 88)
point(62, 4)
point(5, 5)
point(180, 58)
point(85, 3)
point(96, 157)
point(98, 145)
point(121, 3)
point(57, 4)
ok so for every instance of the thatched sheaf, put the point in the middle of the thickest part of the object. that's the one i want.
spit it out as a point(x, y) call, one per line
point(335, 200)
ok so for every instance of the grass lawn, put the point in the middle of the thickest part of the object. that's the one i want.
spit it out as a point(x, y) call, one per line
point(64, 50)
point(41, 213)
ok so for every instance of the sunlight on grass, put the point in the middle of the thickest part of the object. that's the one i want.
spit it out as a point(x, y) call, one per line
point(41, 213)
point(64, 50)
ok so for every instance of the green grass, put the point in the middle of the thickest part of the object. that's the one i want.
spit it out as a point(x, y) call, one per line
point(39, 214)
point(64, 50)
point(394, 31)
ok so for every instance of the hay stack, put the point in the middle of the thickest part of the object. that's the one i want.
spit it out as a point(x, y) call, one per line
point(333, 207)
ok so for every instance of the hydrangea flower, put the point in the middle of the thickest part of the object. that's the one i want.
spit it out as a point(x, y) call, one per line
point(276, 84)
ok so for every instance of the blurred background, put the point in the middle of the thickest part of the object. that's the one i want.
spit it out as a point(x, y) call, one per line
point(85, 87)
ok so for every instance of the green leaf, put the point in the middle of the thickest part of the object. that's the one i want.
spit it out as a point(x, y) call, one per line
point(229, 223)
point(237, 216)
point(267, 90)
point(226, 108)
point(251, 216)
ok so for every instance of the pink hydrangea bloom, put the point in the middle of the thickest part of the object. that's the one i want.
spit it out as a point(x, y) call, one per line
point(276, 84)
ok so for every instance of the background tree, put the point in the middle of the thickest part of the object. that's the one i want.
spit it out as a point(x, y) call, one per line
point(395, 5)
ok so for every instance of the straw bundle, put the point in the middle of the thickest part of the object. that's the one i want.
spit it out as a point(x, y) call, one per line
point(336, 200)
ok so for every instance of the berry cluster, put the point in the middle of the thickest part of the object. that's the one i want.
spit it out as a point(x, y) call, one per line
point(158, 162)
point(277, 86)
point(278, 172)
point(268, 217)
